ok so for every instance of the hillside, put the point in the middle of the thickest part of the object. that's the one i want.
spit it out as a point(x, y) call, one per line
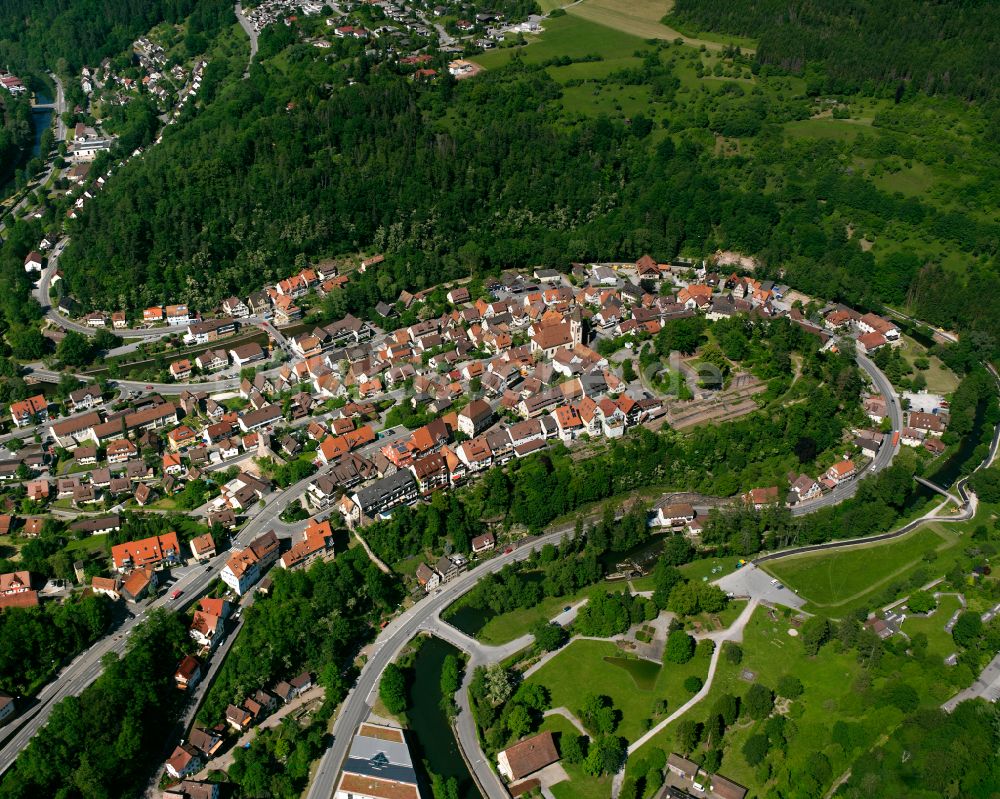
point(586, 144)
point(950, 47)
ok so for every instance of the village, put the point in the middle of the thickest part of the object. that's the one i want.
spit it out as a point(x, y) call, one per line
point(490, 379)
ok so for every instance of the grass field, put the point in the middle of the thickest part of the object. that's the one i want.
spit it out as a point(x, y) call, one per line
point(770, 652)
point(835, 582)
point(939, 641)
point(582, 668)
point(940, 379)
point(827, 128)
point(642, 18)
point(571, 36)
point(580, 785)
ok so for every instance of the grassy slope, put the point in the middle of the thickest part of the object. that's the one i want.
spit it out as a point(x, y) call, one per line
point(834, 582)
point(939, 641)
point(508, 626)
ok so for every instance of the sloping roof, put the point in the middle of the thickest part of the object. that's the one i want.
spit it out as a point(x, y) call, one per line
point(532, 754)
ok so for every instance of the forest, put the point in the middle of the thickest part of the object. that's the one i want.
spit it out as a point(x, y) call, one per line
point(106, 741)
point(455, 179)
point(892, 46)
point(344, 597)
point(35, 643)
point(932, 754)
point(15, 132)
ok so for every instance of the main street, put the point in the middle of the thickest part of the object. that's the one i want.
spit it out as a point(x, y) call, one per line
point(192, 580)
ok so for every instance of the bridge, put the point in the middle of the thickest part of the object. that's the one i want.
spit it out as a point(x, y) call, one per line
point(938, 489)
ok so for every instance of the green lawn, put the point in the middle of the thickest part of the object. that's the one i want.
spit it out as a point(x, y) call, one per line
point(567, 36)
point(829, 695)
point(832, 581)
point(939, 642)
point(583, 668)
point(508, 626)
point(88, 545)
point(940, 379)
point(580, 785)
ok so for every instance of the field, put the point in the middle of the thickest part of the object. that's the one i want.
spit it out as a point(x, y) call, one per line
point(642, 18)
point(571, 36)
point(582, 668)
point(770, 652)
point(834, 582)
point(827, 128)
point(940, 379)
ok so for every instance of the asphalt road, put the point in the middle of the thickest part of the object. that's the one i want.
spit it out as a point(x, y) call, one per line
point(393, 638)
point(250, 32)
point(192, 580)
point(42, 295)
point(885, 454)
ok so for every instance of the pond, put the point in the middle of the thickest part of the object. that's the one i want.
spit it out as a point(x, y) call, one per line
point(433, 740)
point(642, 555)
point(643, 672)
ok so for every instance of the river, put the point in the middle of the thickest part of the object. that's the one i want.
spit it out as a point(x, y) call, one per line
point(433, 739)
point(41, 120)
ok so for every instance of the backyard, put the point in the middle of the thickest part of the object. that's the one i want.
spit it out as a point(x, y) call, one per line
point(580, 785)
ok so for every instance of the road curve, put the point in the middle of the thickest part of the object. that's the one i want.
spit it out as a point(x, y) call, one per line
point(967, 512)
point(885, 454)
point(388, 645)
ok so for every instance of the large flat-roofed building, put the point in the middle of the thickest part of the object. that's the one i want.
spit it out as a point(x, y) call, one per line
point(378, 766)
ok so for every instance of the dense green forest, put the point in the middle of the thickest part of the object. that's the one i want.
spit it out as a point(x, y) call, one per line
point(106, 741)
point(15, 132)
point(40, 36)
point(451, 179)
point(933, 754)
point(36, 642)
point(949, 47)
point(345, 598)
